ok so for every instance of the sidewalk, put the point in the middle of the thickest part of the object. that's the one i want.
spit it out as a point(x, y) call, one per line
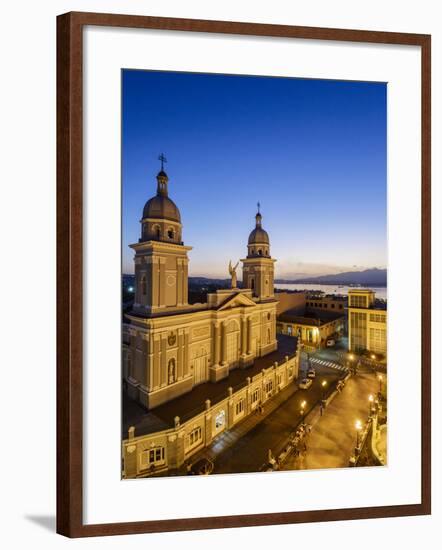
point(333, 436)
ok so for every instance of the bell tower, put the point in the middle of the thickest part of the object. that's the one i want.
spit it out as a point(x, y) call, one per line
point(258, 267)
point(161, 262)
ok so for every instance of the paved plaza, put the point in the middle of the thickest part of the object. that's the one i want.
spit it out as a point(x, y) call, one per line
point(333, 436)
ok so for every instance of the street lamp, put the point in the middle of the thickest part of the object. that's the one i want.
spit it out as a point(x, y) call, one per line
point(380, 378)
point(370, 405)
point(351, 358)
point(324, 385)
point(302, 411)
point(358, 426)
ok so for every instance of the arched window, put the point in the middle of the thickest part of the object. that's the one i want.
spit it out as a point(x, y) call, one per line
point(260, 252)
point(252, 284)
point(170, 233)
point(156, 231)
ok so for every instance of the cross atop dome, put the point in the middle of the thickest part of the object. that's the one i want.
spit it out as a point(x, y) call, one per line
point(163, 159)
point(258, 216)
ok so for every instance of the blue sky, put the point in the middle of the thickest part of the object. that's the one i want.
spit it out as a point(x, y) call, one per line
point(313, 152)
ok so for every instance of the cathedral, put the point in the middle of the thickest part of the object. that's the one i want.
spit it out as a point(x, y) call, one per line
point(192, 371)
point(174, 345)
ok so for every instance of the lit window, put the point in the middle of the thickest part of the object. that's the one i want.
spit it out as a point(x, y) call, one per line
point(154, 456)
point(195, 437)
point(239, 409)
point(220, 420)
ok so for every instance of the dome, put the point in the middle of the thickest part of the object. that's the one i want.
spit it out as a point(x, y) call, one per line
point(161, 207)
point(259, 236)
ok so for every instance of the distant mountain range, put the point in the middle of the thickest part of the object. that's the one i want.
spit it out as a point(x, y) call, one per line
point(199, 281)
point(368, 277)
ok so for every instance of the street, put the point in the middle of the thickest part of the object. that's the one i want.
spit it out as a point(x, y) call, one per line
point(333, 437)
point(331, 441)
point(251, 451)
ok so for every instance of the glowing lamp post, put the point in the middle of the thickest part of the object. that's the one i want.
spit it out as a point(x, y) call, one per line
point(370, 404)
point(351, 358)
point(358, 426)
point(380, 378)
point(324, 385)
point(302, 411)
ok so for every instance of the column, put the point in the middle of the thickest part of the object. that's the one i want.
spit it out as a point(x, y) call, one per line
point(150, 367)
point(179, 283)
point(249, 335)
point(180, 366)
point(223, 343)
point(133, 350)
point(216, 338)
point(243, 335)
point(145, 366)
point(162, 281)
point(186, 352)
point(156, 362)
point(154, 293)
point(163, 367)
point(184, 281)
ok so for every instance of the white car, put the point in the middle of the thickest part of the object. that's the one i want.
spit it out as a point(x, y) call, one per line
point(311, 373)
point(305, 383)
point(330, 343)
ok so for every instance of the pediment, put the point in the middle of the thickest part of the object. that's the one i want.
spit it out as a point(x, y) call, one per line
point(237, 300)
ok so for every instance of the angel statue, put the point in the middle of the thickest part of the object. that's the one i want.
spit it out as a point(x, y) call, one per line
point(232, 271)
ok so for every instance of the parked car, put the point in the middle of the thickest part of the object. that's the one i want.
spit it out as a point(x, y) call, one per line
point(202, 467)
point(331, 342)
point(305, 383)
point(311, 373)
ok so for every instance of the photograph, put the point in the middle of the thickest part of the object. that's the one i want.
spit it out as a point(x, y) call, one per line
point(254, 274)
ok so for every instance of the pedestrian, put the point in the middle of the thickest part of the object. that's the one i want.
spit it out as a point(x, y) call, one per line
point(321, 408)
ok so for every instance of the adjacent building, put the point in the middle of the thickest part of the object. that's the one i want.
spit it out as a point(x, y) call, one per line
point(313, 329)
point(367, 322)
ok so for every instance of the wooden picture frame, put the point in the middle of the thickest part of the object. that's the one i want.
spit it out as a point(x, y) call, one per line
point(70, 272)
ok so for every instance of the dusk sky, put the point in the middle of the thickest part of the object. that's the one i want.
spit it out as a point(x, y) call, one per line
point(312, 152)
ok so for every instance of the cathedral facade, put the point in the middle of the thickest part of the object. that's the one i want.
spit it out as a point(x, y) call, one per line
point(192, 371)
point(175, 346)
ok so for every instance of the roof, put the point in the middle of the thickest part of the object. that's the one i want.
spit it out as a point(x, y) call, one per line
point(192, 403)
point(259, 236)
point(161, 207)
point(316, 318)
